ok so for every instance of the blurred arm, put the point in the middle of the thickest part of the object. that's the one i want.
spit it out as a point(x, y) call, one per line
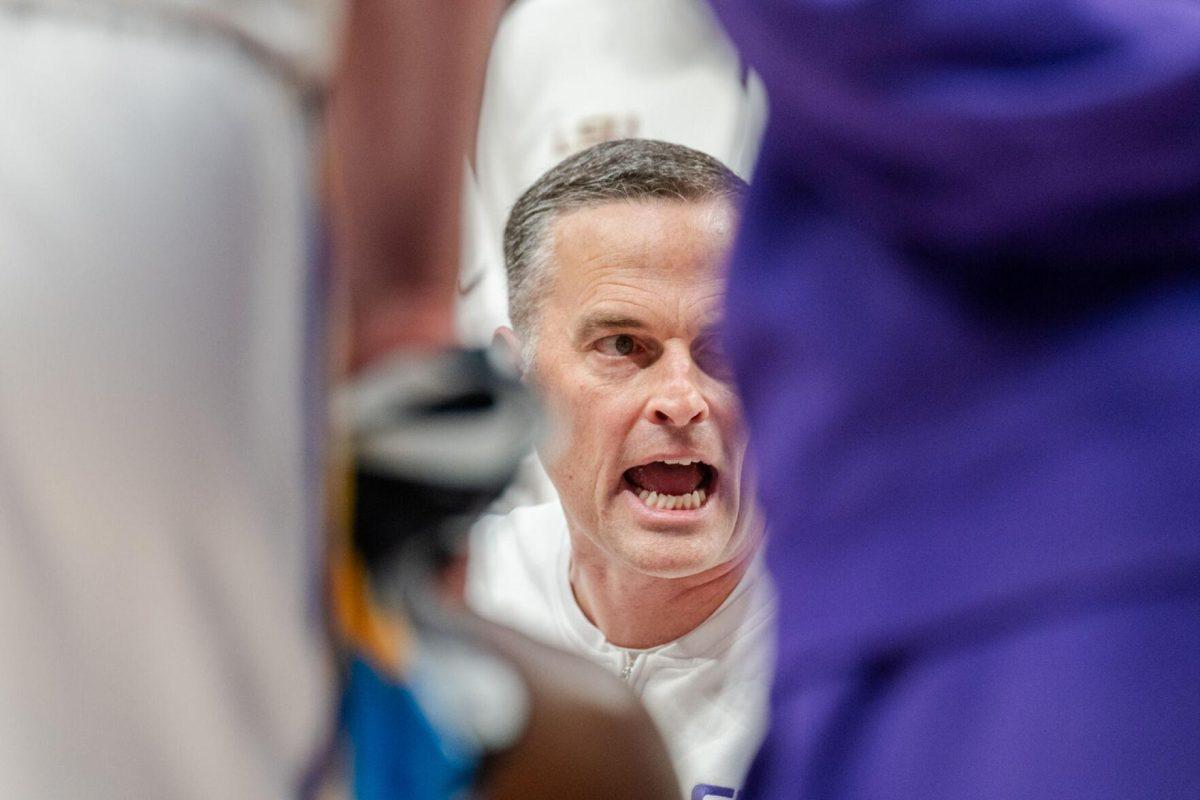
point(587, 738)
point(402, 118)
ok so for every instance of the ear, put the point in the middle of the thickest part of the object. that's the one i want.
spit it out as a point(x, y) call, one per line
point(506, 341)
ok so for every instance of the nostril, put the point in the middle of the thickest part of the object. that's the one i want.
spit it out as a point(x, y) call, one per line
point(678, 413)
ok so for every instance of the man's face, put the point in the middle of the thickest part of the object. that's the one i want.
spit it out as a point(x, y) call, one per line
point(648, 445)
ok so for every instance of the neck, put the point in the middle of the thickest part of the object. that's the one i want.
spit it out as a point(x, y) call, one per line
point(637, 611)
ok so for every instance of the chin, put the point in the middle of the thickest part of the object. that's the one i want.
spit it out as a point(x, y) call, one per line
point(671, 555)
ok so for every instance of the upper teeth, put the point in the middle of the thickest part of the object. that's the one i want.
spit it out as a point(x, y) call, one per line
point(683, 462)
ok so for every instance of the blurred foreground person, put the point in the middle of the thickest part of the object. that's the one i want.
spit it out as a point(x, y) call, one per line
point(162, 395)
point(965, 313)
point(648, 564)
point(160, 400)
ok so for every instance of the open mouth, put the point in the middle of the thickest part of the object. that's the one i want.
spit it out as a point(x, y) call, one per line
point(672, 485)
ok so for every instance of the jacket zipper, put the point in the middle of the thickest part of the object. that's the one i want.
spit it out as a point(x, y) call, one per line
point(627, 669)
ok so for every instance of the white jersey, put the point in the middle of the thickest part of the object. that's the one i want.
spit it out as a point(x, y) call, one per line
point(706, 691)
point(161, 413)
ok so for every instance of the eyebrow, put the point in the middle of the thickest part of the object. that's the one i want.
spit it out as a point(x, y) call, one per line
point(595, 323)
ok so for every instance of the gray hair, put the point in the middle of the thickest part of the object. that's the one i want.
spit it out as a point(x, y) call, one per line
point(624, 169)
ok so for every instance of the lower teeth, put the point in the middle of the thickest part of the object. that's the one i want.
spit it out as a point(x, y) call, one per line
point(673, 502)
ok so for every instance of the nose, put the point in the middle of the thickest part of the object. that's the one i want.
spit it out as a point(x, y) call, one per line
point(675, 397)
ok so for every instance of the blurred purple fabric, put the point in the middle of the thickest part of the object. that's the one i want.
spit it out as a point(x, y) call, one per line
point(965, 317)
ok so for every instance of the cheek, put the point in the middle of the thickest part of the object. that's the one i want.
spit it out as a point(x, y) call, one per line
point(558, 404)
point(588, 421)
point(727, 414)
point(569, 449)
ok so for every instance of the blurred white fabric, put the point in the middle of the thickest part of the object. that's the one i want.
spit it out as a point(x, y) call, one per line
point(566, 74)
point(159, 502)
point(296, 36)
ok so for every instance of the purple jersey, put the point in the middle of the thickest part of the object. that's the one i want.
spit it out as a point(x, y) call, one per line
point(965, 316)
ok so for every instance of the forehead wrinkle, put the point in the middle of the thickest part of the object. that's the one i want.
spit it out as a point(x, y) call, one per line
point(620, 283)
point(651, 310)
point(651, 298)
point(651, 270)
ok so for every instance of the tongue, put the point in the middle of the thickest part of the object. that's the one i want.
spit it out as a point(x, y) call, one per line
point(666, 478)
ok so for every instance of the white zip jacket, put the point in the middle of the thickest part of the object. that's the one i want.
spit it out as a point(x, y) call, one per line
point(707, 691)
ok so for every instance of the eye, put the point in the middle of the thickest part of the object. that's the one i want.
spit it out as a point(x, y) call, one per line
point(622, 344)
point(711, 358)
